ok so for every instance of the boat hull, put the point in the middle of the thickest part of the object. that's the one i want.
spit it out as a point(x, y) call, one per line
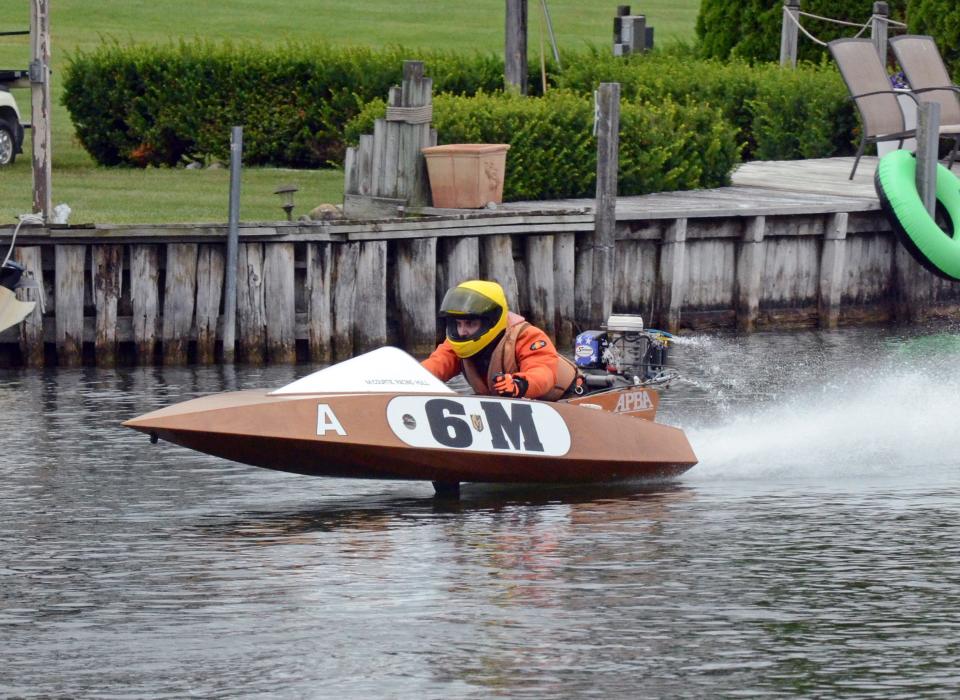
point(442, 438)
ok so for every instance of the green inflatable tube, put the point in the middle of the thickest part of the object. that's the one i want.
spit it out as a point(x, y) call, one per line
point(931, 246)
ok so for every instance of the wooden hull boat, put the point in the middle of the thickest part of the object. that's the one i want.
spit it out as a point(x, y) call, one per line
point(382, 416)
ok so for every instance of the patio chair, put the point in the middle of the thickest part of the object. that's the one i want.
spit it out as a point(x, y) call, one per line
point(929, 81)
point(870, 89)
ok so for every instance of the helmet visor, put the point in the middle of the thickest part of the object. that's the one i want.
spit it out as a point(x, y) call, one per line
point(461, 301)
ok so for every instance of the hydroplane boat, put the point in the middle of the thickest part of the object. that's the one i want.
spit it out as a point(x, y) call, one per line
point(383, 416)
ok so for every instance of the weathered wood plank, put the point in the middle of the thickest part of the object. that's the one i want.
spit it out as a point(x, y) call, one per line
point(564, 280)
point(344, 298)
point(31, 330)
point(749, 273)
point(318, 293)
point(583, 279)
point(636, 277)
point(370, 312)
point(417, 293)
point(278, 274)
point(210, 279)
point(496, 265)
point(69, 264)
point(107, 265)
point(251, 306)
point(145, 299)
point(608, 145)
point(832, 259)
point(672, 277)
point(179, 293)
point(540, 283)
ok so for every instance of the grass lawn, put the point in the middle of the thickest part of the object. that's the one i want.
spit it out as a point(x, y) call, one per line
point(114, 195)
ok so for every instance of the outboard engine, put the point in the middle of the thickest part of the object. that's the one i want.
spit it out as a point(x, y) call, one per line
point(624, 353)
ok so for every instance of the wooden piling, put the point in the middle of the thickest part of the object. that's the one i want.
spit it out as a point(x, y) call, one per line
point(541, 292)
point(496, 264)
point(832, 259)
point(145, 299)
point(107, 264)
point(789, 33)
point(749, 273)
point(564, 284)
point(370, 311)
point(608, 163)
point(251, 309)
point(318, 293)
point(31, 330)
point(672, 274)
point(344, 299)
point(879, 30)
point(179, 293)
point(515, 47)
point(211, 263)
point(461, 262)
point(68, 274)
point(416, 261)
point(281, 320)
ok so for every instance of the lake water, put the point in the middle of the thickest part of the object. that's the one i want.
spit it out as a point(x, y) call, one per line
point(814, 551)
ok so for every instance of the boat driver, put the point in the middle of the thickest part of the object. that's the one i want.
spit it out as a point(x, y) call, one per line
point(497, 351)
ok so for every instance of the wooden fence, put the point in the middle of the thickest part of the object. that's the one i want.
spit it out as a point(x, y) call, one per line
point(327, 291)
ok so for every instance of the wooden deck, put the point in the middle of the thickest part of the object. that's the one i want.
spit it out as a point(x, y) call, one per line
point(760, 188)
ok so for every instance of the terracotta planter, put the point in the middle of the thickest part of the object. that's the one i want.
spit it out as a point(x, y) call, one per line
point(466, 175)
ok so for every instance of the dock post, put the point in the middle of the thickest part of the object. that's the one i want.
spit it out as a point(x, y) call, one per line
point(878, 29)
point(31, 330)
point(40, 106)
point(672, 270)
point(233, 237)
point(515, 47)
point(789, 33)
point(750, 259)
point(832, 262)
point(68, 277)
point(605, 216)
point(928, 142)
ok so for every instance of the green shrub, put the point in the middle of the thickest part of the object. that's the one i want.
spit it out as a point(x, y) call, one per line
point(750, 97)
point(552, 154)
point(143, 105)
point(750, 29)
point(940, 19)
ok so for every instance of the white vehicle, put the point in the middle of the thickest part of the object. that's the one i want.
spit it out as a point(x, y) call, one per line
point(11, 130)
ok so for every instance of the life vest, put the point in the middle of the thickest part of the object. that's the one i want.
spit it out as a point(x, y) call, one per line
point(504, 359)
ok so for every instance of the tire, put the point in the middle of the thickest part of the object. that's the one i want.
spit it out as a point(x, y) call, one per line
point(8, 142)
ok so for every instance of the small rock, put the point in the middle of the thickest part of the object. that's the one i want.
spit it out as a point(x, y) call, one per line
point(215, 165)
point(195, 165)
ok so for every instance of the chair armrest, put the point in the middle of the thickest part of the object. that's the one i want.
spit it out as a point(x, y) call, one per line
point(952, 88)
point(895, 93)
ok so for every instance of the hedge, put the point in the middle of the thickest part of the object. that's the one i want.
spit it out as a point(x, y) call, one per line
point(750, 29)
point(162, 105)
point(818, 122)
point(552, 154)
point(941, 19)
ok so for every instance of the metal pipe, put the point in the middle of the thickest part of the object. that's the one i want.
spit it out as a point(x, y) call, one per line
point(233, 236)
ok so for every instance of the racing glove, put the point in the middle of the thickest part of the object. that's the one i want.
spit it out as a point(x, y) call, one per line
point(511, 385)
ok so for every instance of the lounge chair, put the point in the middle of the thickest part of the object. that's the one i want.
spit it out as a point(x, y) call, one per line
point(929, 81)
point(870, 89)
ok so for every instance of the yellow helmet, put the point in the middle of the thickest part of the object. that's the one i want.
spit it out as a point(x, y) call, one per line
point(474, 300)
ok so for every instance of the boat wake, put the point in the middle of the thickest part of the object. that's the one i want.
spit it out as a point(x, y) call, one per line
point(893, 418)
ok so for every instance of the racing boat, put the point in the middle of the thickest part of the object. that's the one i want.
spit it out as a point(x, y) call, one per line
point(383, 416)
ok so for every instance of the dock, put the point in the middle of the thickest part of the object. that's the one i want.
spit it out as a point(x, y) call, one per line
point(788, 244)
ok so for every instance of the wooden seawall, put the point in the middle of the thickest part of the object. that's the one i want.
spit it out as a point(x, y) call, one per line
point(778, 249)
